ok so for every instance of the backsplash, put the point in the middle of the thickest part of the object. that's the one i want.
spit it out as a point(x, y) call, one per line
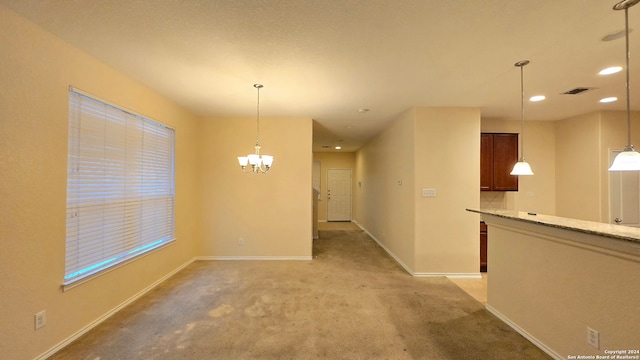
point(494, 200)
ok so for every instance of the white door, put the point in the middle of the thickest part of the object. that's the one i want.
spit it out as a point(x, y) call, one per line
point(338, 194)
point(624, 196)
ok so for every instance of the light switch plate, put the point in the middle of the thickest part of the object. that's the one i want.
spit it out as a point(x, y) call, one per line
point(429, 193)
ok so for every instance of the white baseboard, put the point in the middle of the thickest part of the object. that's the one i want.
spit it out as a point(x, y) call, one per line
point(451, 275)
point(522, 332)
point(110, 313)
point(397, 259)
point(266, 258)
point(414, 274)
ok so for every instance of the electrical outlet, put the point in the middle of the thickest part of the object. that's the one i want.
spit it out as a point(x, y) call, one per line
point(241, 242)
point(593, 338)
point(40, 319)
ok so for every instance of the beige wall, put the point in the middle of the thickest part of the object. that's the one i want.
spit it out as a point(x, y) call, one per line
point(535, 193)
point(333, 160)
point(553, 283)
point(447, 158)
point(578, 180)
point(271, 212)
point(383, 206)
point(423, 148)
point(582, 159)
point(36, 70)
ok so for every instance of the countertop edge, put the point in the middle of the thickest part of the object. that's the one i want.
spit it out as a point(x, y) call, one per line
point(618, 232)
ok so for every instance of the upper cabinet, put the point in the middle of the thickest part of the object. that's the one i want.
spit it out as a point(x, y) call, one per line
point(498, 154)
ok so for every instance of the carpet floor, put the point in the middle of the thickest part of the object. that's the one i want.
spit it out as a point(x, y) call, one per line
point(352, 301)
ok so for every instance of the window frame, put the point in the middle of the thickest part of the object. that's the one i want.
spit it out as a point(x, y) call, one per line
point(127, 213)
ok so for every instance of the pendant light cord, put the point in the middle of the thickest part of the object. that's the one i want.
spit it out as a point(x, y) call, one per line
point(521, 64)
point(522, 112)
point(626, 27)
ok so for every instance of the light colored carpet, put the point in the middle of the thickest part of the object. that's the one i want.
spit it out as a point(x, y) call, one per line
point(351, 302)
point(338, 225)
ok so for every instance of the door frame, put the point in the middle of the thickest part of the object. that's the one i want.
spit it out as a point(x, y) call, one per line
point(350, 188)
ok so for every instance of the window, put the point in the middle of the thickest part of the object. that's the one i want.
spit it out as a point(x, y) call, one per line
point(120, 186)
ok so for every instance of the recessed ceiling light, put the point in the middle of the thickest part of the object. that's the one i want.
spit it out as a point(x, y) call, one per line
point(338, 147)
point(363, 110)
point(609, 99)
point(537, 98)
point(610, 70)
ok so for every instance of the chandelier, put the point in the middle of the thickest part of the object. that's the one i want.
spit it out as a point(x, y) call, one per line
point(259, 163)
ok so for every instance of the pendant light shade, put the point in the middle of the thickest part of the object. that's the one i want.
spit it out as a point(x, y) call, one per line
point(522, 167)
point(629, 158)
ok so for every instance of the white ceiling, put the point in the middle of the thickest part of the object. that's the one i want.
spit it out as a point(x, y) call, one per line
point(325, 59)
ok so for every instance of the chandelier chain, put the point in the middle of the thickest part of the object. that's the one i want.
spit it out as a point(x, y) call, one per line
point(258, 86)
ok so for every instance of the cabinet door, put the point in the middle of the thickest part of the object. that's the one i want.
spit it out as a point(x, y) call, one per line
point(505, 155)
point(486, 162)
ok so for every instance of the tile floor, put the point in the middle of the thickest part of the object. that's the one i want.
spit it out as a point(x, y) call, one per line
point(477, 288)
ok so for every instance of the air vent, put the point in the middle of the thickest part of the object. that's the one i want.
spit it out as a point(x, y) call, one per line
point(326, 147)
point(578, 90)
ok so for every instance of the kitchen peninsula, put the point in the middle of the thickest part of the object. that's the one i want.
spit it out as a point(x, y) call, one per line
point(556, 280)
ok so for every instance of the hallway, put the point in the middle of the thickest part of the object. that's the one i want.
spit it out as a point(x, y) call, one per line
point(477, 288)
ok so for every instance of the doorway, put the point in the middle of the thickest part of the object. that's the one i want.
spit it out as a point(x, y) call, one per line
point(624, 196)
point(338, 194)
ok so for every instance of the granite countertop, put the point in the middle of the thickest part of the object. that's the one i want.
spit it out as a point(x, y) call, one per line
point(620, 232)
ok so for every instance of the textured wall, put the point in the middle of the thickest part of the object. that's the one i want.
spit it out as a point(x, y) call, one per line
point(385, 207)
point(424, 148)
point(36, 70)
point(447, 159)
point(271, 212)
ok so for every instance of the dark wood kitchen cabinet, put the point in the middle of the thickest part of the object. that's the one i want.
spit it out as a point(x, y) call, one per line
point(498, 154)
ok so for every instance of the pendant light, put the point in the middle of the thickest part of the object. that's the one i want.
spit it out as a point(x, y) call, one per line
point(259, 163)
point(629, 158)
point(522, 167)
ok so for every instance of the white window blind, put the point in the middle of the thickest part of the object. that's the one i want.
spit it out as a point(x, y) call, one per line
point(120, 186)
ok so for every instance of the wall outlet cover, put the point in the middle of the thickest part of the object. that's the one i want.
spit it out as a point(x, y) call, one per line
point(593, 338)
point(40, 319)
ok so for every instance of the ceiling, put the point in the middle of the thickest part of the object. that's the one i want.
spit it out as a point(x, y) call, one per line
point(325, 60)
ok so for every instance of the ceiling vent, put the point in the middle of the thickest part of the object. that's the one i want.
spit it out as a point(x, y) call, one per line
point(578, 90)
